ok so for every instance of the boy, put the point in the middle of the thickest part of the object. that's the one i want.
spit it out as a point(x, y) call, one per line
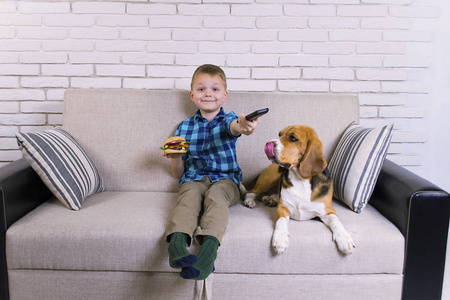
point(209, 174)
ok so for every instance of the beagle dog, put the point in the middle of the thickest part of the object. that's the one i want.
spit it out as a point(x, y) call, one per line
point(305, 189)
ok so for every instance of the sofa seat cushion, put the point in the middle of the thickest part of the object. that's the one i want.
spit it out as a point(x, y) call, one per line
point(124, 231)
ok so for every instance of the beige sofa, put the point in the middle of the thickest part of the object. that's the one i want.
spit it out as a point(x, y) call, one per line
point(114, 248)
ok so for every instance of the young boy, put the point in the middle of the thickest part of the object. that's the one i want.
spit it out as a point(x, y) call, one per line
point(209, 174)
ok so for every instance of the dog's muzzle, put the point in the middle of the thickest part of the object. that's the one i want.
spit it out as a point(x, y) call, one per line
point(269, 149)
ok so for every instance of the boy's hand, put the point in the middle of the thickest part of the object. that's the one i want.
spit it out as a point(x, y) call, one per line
point(243, 126)
point(173, 155)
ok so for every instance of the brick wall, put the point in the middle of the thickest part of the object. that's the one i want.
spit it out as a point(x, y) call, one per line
point(377, 49)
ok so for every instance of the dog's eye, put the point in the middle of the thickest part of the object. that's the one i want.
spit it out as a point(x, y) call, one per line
point(292, 138)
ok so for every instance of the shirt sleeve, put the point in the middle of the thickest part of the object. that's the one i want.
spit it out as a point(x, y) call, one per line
point(230, 117)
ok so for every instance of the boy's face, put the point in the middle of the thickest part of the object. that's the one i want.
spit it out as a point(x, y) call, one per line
point(208, 94)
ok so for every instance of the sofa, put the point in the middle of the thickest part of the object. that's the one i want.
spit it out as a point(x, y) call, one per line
point(114, 247)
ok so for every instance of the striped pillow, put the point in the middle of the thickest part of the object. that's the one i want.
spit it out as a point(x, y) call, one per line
point(356, 163)
point(62, 165)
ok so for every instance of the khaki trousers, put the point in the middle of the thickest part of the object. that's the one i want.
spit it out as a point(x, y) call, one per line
point(202, 208)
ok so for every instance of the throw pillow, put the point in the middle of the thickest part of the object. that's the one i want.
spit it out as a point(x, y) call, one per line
point(62, 165)
point(356, 163)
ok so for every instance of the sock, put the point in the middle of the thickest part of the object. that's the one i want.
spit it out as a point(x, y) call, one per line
point(179, 256)
point(206, 257)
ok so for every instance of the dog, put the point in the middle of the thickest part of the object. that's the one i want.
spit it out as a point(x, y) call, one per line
point(305, 189)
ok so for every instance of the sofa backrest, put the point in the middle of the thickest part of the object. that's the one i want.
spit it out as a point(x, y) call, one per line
point(121, 130)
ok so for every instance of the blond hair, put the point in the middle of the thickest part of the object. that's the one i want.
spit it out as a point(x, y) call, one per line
point(211, 70)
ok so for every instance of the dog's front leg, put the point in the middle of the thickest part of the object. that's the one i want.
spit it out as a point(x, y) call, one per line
point(268, 178)
point(342, 238)
point(280, 238)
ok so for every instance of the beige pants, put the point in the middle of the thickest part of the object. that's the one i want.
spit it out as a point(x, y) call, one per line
point(202, 208)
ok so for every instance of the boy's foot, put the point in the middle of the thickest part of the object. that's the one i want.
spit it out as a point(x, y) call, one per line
point(206, 257)
point(179, 256)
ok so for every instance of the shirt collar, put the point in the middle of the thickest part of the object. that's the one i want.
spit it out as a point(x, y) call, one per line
point(220, 115)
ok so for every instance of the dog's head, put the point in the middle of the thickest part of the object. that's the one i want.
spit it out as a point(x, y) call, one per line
point(298, 147)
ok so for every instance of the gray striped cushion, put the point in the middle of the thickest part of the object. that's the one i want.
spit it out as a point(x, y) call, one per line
point(62, 165)
point(356, 163)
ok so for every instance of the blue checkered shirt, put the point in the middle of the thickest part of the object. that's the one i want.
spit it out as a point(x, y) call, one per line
point(212, 151)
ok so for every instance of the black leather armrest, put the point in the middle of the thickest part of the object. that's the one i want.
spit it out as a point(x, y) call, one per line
point(421, 211)
point(21, 190)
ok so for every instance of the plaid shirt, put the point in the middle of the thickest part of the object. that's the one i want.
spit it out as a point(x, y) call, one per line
point(212, 151)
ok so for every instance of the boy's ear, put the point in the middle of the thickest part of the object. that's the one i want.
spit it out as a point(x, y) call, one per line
point(226, 96)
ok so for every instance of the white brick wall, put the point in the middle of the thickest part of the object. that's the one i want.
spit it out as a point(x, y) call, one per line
point(363, 47)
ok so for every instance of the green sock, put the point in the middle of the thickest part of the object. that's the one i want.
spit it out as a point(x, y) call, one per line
point(206, 257)
point(179, 256)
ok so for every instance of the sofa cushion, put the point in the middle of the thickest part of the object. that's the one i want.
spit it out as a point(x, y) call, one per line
point(356, 163)
point(124, 231)
point(62, 165)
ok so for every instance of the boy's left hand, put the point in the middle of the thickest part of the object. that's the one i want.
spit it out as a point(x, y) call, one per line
point(247, 127)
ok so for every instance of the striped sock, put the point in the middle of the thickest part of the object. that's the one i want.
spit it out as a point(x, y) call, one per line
point(179, 256)
point(206, 257)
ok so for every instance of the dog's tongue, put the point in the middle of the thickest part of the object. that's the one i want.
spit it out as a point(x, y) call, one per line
point(269, 149)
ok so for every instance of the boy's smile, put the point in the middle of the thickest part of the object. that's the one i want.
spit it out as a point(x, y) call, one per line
point(208, 93)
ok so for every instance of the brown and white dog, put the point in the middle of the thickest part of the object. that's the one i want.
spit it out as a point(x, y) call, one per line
point(305, 189)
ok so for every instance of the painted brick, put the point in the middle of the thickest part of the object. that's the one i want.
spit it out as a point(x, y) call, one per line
point(55, 94)
point(381, 48)
point(143, 58)
point(333, 22)
point(281, 23)
point(42, 57)
point(362, 11)
point(328, 73)
point(63, 20)
point(276, 73)
point(401, 112)
point(146, 34)
point(8, 144)
point(408, 36)
point(405, 87)
point(96, 33)
point(303, 35)
point(250, 35)
point(405, 160)
point(414, 11)
point(303, 86)
point(303, 61)
point(310, 10)
point(67, 70)
point(119, 46)
point(92, 57)
point(355, 86)
point(196, 35)
point(8, 33)
point(98, 7)
point(41, 107)
point(87, 83)
point(172, 47)
point(8, 7)
point(328, 48)
point(356, 61)
point(6, 131)
point(225, 47)
point(22, 94)
point(10, 155)
point(18, 45)
point(44, 82)
point(151, 9)
point(148, 83)
point(257, 10)
point(252, 60)
point(175, 22)
point(120, 70)
point(43, 8)
point(22, 119)
point(204, 10)
point(274, 47)
point(355, 35)
point(68, 45)
point(54, 119)
point(252, 85)
point(122, 21)
point(382, 99)
point(229, 22)
point(9, 58)
point(170, 71)
point(196, 60)
point(385, 23)
point(368, 112)
point(9, 81)
point(20, 20)
point(410, 136)
point(19, 69)
point(334, 1)
point(380, 74)
point(9, 107)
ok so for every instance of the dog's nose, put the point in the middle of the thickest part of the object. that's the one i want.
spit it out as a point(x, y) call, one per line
point(269, 149)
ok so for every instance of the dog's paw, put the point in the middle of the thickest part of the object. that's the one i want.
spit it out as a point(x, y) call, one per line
point(280, 240)
point(249, 200)
point(344, 242)
point(270, 201)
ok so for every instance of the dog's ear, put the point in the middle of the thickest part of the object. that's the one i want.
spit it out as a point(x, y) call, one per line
point(313, 161)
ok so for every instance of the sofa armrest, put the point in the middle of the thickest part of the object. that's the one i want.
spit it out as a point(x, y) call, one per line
point(21, 190)
point(421, 211)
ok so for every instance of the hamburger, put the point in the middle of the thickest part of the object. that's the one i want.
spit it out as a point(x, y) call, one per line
point(175, 145)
